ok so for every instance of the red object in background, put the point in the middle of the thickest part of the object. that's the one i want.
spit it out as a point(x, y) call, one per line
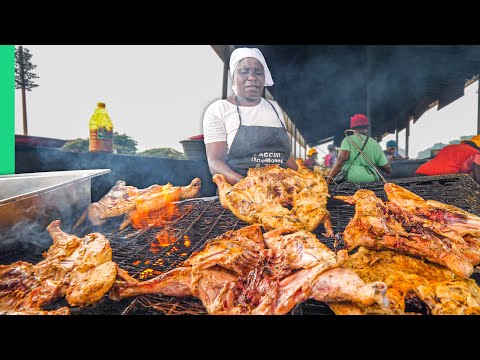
point(196, 137)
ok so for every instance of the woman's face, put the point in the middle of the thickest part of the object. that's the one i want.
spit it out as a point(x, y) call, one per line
point(249, 78)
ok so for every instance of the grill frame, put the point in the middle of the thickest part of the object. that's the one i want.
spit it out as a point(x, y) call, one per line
point(205, 218)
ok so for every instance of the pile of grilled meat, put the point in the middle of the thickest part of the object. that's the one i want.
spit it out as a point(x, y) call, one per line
point(414, 255)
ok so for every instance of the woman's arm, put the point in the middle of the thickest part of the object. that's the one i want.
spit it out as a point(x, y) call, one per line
point(291, 163)
point(342, 158)
point(387, 168)
point(216, 155)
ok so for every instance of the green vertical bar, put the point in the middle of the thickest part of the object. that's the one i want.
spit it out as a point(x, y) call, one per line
point(7, 109)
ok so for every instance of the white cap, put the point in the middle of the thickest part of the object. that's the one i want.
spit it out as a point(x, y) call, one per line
point(242, 53)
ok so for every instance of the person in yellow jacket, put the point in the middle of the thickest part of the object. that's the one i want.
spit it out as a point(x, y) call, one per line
point(311, 158)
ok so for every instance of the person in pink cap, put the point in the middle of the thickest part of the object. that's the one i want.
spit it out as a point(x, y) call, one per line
point(359, 169)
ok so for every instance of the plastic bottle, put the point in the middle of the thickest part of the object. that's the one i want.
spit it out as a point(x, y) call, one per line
point(101, 130)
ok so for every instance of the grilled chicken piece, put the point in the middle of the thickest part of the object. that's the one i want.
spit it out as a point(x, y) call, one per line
point(299, 250)
point(276, 197)
point(387, 226)
point(260, 294)
point(237, 251)
point(236, 274)
point(451, 297)
point(158, 199)
point(128, 201)
point(118, 201)
point(440, 289)
point(90, 269)
point(78, 268)
point(444, 219)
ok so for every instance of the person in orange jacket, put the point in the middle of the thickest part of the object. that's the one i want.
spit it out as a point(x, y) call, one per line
point(455, 158)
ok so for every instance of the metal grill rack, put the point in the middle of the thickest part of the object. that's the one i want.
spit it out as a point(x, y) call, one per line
point(141, 253)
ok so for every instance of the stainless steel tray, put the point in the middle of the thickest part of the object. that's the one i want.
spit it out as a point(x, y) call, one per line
point(36, 199)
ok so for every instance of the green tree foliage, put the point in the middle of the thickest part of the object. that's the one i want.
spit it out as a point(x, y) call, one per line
point(24, 75)
point(164, 153)
point(124, 144)
point(77, 145)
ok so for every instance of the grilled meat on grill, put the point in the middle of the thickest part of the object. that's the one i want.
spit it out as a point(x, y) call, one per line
point(237, 251)
point(78, 268)
point(379, 225)
point(440, 289)
point(118, 201)
point(299, 250)
point(444, 219)
point(276, 197)
point(155, 200)
point(236, 274)
point(122, 199)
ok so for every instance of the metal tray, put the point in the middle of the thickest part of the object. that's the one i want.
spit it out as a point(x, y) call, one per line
point(35, 199)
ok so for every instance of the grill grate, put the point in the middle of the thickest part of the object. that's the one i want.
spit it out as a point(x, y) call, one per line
point(143, 255)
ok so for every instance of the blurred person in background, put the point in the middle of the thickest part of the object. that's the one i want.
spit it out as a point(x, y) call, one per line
point(331, 157)
point(456, 158)
point(246, 130)
point(311, 160)
point(359, 169)
point(391, 152)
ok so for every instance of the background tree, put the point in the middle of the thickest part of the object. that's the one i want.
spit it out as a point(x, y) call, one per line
point(77, 145)
point(124, 144)
point(24, 78)
point(164, 153)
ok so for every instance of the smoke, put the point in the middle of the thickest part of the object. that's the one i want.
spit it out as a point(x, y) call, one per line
point(25, 240)
point(322, 86)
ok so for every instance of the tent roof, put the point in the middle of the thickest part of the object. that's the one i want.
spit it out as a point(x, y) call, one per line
point(321, 86)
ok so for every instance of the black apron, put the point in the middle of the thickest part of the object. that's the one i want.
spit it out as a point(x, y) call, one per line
point(256, 146)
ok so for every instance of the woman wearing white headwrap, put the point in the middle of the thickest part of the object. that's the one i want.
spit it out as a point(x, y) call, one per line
point(246, 130)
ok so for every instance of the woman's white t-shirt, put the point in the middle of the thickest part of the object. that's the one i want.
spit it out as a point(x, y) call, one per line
point(221, 121)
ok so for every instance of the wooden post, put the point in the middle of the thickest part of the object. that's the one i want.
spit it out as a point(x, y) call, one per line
point(478, 109)
point(24, 101)
point(407, 136)
point(368, 90)
point(225, 73)
point(296, 144)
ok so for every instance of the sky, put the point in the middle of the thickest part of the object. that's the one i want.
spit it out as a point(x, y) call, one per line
point(157, 95)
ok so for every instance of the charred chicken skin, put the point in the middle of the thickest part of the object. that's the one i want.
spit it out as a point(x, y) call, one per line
point(276, 197)
point(130, 201)
point(437, 232)
point(81, 269)
point(243, 272)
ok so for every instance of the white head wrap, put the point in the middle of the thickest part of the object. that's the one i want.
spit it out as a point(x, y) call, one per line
point(241, 53)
